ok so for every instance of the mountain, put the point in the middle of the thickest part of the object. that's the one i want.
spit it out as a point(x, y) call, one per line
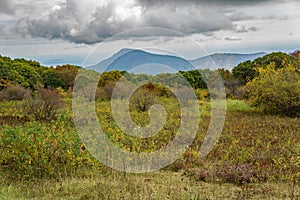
point(296, 54)
point(224, 60)
point(139, 61)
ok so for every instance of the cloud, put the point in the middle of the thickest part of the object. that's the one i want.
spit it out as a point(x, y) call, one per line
point(254, 29)
point(244, 29)
point(211, 2)
point(240, 29)
point(275, 17)
point(232, 38)
point(6, 7)
point(88, 21)
point(239, 16)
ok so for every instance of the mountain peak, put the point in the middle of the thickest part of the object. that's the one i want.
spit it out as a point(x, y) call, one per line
point(129, 60)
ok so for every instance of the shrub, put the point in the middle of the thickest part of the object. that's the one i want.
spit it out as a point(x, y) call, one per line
point(101, 94)
point(276, 91)
point(142, 100)
point(36, 150)
point(45, 105)
point(14, 92)
point(237, 174)
point(202, 94)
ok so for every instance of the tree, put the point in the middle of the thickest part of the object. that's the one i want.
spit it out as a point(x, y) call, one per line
point(109, 77)
point(45, 105)
point(194, 77)
point(276, 91)
point(244, 72)
point(231, 84)
point(247, 71)
point(14, 92)
point(52, 80)
point(143, 99)
point(279, 60)
point(67, 73)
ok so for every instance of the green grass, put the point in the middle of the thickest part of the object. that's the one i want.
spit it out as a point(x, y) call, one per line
point(239, 105)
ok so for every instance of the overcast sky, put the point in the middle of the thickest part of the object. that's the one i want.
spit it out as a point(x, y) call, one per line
point(56, 31)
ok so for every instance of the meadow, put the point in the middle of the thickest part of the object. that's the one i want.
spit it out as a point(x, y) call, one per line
point(256, 157)
point(44, 156)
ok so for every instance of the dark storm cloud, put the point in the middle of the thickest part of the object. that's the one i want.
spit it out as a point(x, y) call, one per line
point(89, 21)
point(79, 22)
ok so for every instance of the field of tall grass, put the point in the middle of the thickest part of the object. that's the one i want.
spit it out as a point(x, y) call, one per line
point(256, 157)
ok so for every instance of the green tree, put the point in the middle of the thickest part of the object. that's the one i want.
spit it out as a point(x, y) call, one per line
point(194, 77)
point(244, 72)
point(67, 73)
point(247, 71)
point(52, 80)
point(276, 91)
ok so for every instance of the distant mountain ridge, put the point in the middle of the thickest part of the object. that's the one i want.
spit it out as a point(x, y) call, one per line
point(133, 59)
point(224, 60)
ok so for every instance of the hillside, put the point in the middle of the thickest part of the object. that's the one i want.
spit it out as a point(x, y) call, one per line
point(224, 60)
point(130, 60)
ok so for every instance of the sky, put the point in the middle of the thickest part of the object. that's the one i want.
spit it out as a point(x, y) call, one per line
point(70, 31)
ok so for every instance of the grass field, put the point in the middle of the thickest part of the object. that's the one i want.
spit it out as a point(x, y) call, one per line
point(256, 157)
point(158, 185)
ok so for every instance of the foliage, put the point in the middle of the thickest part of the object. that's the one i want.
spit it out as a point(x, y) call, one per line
point(231, 84)
point(31, 74)
point(247, 71)
point(19, 72)
point(67, 73)
point(143, 99)
point(52, 80)
point(109, 77)
point(45, 105)
point(253, 148)
point(14, 92)
point(195, 79)
point(276, 91)
point(38, 150)
point(244, 72)
point(279, 59)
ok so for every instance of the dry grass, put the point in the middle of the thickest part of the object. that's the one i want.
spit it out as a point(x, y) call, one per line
point(159, 185)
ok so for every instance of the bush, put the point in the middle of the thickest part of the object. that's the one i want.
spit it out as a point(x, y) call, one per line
point(142, 100)
point(45, 105)
point(238, 174)
point(276, 91)
point(14, 92)
point(36, 150)
point(101, 94)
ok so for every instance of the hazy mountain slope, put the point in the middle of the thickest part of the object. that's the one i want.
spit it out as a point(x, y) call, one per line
point(139, 61)
point(224, 60)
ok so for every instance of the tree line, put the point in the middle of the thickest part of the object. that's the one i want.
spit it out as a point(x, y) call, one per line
point(271, 82)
